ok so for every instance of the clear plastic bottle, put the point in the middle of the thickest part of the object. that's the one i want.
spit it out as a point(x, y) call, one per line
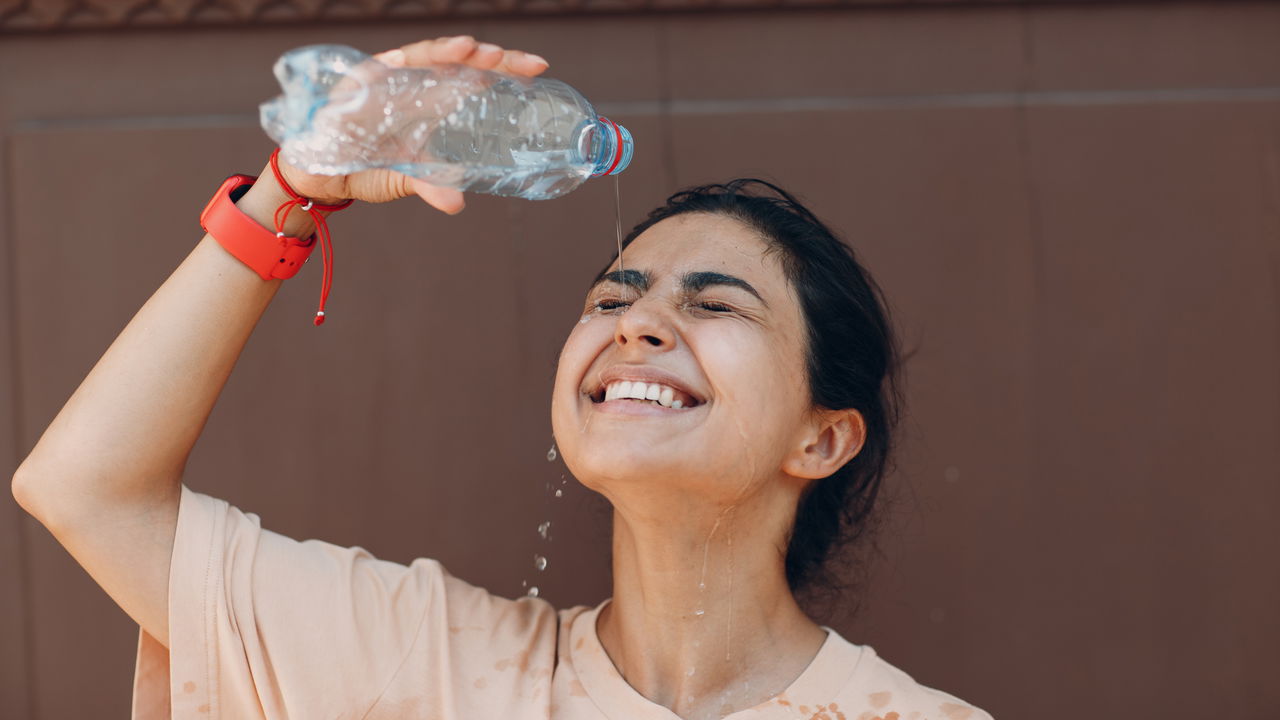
point(452, 125)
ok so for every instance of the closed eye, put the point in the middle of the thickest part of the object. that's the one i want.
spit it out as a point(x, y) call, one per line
point(610, 304)
point(713, 306)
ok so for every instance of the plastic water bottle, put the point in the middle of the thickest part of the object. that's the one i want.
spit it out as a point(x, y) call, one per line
point(343, 111)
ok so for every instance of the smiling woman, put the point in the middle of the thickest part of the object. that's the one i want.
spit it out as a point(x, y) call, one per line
point(730, 389)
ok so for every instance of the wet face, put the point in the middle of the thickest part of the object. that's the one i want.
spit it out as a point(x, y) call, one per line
point(687, 368)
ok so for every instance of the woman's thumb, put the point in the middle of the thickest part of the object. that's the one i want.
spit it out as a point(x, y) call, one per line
point(444, 199)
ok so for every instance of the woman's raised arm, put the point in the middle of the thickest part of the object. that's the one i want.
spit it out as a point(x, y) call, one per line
point(105, 476)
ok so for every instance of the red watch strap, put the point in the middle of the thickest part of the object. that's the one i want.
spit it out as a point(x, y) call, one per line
point(266, 252)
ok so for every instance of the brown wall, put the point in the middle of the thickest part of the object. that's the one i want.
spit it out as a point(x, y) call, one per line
point(1075, 211)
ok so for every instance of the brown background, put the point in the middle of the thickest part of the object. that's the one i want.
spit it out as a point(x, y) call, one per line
point(1074, 210)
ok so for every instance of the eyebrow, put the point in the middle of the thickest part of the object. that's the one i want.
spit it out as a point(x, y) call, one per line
point(696, 281)
point(627, 278)
point(692, 282)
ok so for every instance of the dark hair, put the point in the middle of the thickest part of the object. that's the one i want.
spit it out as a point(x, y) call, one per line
point(852, 358)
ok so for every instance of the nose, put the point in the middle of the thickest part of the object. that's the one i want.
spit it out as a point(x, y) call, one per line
point(644, 324)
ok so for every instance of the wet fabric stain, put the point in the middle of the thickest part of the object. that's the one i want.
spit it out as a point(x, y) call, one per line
point(481, 683)
point(880, 699)
point(188, 687)
point(824, 712)
point(955, 712)
point(520, 661)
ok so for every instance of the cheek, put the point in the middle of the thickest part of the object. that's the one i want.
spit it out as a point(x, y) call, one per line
point(583, 345)
point(760, 381)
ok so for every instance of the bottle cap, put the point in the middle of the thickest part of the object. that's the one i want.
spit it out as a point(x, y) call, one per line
point(616, 148)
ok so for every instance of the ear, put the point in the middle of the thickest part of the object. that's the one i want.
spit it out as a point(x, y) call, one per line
point(832, 439)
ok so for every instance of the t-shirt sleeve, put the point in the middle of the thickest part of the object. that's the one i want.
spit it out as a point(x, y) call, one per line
point(263, 626)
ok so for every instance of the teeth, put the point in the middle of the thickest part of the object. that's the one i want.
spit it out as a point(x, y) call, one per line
point(655, 392)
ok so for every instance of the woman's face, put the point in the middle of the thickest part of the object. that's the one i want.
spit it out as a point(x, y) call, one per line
point(702, 318)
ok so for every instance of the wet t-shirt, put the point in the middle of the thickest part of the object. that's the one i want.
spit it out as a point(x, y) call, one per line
point(263, 626)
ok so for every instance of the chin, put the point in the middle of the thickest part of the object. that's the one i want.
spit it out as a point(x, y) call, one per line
point(633, 478)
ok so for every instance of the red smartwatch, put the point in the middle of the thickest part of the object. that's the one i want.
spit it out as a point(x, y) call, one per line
point(270, 254)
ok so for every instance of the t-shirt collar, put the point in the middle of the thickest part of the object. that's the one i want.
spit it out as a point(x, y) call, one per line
point(831, 669)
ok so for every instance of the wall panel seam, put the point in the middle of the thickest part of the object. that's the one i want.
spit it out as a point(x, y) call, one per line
point(21, 525)
point(745, 106)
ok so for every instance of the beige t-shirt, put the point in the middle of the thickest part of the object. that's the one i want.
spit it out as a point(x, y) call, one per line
point(263, 626)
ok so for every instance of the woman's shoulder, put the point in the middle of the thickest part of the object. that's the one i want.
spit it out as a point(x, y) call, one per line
point(890, 692)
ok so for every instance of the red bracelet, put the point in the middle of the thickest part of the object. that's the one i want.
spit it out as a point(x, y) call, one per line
point(270, 254)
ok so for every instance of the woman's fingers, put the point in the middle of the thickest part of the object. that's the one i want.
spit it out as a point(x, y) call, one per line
point(518, 62)
point(447, 200)
point(441, 50)
point(464, 49)
point(486, 57)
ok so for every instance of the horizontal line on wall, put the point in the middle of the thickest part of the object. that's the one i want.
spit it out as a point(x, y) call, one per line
point(140, 122)
point(1054, 98)
point(622, 108)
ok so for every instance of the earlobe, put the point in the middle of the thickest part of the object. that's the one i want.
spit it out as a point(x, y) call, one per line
point(837, 437)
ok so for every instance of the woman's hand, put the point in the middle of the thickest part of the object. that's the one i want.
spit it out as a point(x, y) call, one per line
point(385, 185)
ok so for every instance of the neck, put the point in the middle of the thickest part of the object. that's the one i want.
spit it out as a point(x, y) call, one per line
point(702, 620)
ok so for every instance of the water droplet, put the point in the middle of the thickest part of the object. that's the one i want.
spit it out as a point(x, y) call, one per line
point(533, 591)
point(559, 493)
point(699, 613)
point(544, 528)
point(539, 563)
point(585, 318)
point(552, 454)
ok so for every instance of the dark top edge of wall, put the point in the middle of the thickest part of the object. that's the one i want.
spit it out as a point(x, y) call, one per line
point(57, 16)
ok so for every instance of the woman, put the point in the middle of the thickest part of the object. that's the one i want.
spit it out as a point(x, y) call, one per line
point(729, 389)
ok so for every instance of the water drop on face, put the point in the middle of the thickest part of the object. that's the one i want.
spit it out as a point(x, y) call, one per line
point(552, 454)
point(539, 563)
point(699, 613)
point(544, 528)
point(533, 591)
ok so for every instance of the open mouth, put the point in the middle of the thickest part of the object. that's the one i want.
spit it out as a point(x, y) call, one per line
point(651, 393)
